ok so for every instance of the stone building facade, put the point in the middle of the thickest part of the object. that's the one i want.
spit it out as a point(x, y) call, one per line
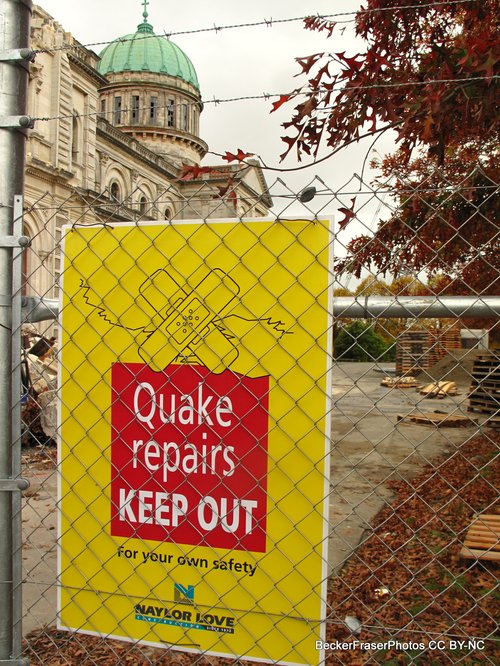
point(113, 134)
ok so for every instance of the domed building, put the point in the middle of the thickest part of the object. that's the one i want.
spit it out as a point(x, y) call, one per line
point(113, 136)
point(153, 93)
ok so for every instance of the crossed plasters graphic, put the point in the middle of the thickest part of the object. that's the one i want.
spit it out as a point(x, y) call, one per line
point(187, 323)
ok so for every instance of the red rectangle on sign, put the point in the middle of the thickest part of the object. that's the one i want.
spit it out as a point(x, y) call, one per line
point(189, 456)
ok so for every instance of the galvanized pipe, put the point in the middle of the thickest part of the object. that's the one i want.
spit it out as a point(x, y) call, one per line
point(352, 307)
point(18, 483)
point(15, 18)
point(39, 309)
point(400, 307)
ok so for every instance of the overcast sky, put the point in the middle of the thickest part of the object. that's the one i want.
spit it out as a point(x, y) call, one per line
point(235, 63)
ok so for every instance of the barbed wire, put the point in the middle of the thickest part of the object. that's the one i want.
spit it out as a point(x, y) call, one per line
point(267, 96)
point(264, 22)
point(127, 201)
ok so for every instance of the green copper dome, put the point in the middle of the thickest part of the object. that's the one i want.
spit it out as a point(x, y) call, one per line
point(146, 52)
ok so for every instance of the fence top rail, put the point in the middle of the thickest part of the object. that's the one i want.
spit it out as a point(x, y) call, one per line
point(446, 307)
point(353, 307)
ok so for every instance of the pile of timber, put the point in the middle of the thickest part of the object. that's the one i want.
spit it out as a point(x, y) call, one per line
point(484, 391)
point(400, 382)
point(482, 541)
point(417, 350)
point(439, 389)
point(412, 352)
point(443, 341)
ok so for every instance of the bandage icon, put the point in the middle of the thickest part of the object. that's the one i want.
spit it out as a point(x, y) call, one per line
point(185, 321)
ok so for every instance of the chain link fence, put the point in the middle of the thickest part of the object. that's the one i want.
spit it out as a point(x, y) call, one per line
point(409, 574)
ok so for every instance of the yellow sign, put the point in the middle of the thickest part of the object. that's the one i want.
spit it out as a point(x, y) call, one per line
point(194, 420)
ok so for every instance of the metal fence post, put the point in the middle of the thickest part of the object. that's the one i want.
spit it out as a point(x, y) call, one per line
point(14, 36)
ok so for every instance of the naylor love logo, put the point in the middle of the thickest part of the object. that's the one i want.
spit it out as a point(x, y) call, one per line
point(183, 594)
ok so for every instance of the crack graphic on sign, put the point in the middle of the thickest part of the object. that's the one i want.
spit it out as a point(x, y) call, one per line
point(187, 325)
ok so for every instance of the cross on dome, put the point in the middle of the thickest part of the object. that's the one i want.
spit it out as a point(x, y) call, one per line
point(145, 27)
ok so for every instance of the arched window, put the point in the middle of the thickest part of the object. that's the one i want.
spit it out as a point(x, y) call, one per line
point(115, 191)
point(168, 214)
point(143, 205)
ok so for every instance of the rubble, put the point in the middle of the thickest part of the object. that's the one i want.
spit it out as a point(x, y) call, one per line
point(39, 402)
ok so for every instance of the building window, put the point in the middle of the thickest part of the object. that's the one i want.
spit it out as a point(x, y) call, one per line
point(115, 191)
point(184, 117)
point(117, 110)
point(135, 109)
point(153, 110)
point(103, 108)
point(75, 140)
point(168, 214)
point(171, 113)
point(143, 205)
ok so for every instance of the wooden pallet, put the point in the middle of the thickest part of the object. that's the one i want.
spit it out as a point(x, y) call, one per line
point(420, 349)
point(491, 393)
point(484, 391)
point(412, 352)
point(439, 420)
point(482, 541)
point(493, 422)
point(484, 407)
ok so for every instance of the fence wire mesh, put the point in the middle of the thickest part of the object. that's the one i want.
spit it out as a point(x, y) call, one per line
point(413, 519)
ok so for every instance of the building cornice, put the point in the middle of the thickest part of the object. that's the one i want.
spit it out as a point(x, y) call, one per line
point(133, 147)
point(47, 172)
point(171, 133)
point(88, 71)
